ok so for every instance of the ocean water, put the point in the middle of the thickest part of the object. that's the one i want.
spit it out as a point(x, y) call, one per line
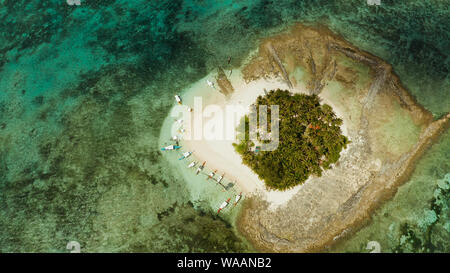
point(84, 91)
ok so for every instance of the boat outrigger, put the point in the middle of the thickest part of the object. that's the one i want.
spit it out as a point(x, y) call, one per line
point(170, 147)
point(178, 99)
point(200, 168)
point(224, 188)
point(223, 205)
point(185, 155)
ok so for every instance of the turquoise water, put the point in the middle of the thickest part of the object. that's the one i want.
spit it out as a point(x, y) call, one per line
point(84, 91)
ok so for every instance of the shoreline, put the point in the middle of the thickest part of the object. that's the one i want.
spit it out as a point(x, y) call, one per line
point(258, 204)
point(388, 130)
point(434, 132)
point(362, 180)
point(220, 154)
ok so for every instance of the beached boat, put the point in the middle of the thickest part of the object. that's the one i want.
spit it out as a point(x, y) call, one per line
point(185, 155)
point(200, 168)
point(220, 178)
point(238, 198)
point(192, 164)
point(178, 99)
point(211, 174)
point(170, 147)
point(223, 205)
point(210, 83)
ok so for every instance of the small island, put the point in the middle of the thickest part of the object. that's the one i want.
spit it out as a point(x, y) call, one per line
point(310, 140)
point(339, 97)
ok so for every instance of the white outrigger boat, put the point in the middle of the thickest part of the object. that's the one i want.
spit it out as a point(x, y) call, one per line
point(211, 174)
point(200, 168)
point(192, 164)
point(185, 155)
point(237, 199)
point(210, 83)
point(223, 205)
point(220, 178)
point(170, 147)
point(178, 99)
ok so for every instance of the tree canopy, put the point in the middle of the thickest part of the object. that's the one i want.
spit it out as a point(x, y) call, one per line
point(310, 140)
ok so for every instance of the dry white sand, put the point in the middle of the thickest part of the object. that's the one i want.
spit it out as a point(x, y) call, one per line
point(220, 154)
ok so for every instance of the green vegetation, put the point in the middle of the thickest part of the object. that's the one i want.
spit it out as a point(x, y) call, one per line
point(310, 140)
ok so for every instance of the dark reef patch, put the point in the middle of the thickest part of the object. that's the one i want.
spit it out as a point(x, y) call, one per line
point(38, 100)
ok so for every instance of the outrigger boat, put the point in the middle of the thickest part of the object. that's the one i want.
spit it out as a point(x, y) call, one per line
point(220, 178)
point(185, 155)
point(237, 199)
point(211, 174)
point(170, 147)
point(223, 205)
point(178, 99)
point(200, 168)
point(210, 83)
point(192, 164)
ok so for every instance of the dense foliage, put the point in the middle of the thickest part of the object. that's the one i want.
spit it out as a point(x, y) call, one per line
point(310, 140)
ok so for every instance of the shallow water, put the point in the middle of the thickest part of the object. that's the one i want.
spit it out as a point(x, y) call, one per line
point(84, 92)
point(417, 218)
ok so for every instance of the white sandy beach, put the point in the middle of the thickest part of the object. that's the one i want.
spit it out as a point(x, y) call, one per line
point(220, 154)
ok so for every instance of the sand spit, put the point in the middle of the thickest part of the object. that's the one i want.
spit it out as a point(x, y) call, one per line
point(389, 131)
